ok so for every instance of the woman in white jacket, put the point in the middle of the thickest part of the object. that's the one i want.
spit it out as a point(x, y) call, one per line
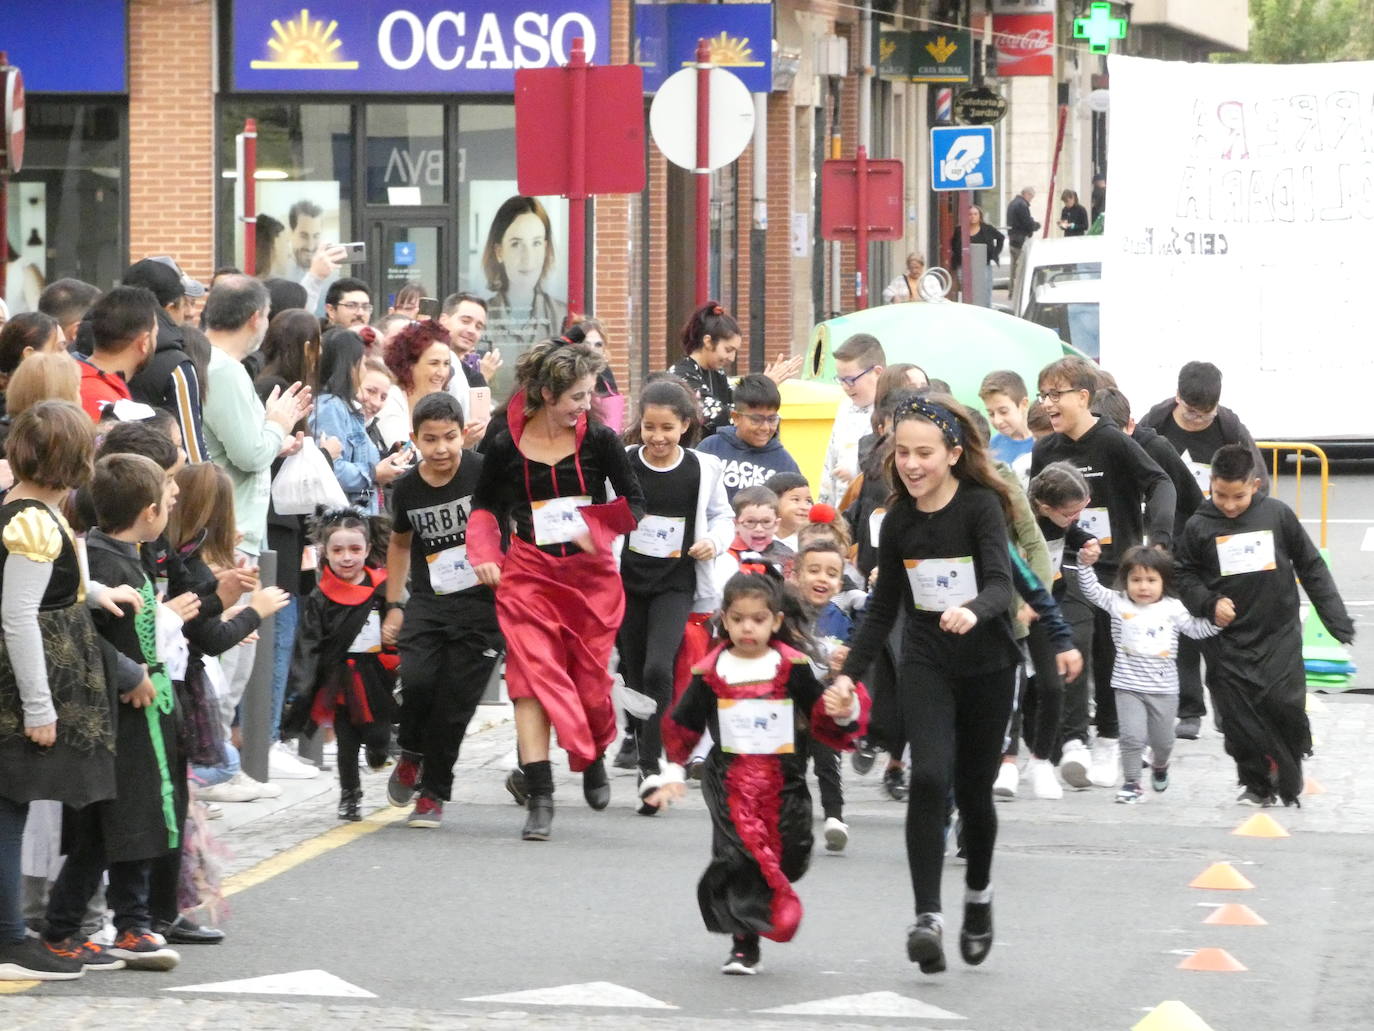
point(666, 561)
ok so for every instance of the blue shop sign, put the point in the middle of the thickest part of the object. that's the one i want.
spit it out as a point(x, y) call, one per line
point(409, 46)
point(740, 35)
point(55, 62)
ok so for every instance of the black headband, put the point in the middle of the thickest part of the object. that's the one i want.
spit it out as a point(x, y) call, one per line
point(945, 420)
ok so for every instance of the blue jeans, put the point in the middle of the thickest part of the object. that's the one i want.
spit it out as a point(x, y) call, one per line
point(12, 818)
point(286, 621)
point(209, 776)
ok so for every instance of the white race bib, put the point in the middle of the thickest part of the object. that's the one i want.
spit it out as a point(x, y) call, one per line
point(557, 521)
point(875, 525)
point(1246, 552)
point(1094, 522)
point(369, 638)
point(450, 571)
point(938, 584)
point(659, 536)
point(1202, 472)
point(756, 726)
point(1146, 635)
point(1056, 549)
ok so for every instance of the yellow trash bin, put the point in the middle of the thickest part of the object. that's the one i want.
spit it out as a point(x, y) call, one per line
point(808, 415)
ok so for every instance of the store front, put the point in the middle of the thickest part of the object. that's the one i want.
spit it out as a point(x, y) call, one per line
point(67, 207)
point(395, 126)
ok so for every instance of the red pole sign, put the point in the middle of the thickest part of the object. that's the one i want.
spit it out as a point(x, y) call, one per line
point(11, 149)
point(1054, 170)
point(703, 172)
point(250, 197)
point(577, 179)
point(861, 228)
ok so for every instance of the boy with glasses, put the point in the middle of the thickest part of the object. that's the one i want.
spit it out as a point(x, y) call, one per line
point(1122, 479)
point(749, 447)
point(859, 361)
point(348, 304)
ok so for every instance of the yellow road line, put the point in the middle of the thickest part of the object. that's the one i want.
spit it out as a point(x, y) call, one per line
point(15, 987)
point(308, 850)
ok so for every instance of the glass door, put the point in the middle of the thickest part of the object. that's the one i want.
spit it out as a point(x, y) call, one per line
point(407, 251)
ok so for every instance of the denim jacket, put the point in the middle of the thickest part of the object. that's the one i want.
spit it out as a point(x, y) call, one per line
point(356, 465)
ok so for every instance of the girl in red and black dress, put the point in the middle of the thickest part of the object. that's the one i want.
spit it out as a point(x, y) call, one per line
point(559, 597)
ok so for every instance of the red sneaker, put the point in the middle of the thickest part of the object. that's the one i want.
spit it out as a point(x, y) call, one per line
point(429, 812)
point(404, 781)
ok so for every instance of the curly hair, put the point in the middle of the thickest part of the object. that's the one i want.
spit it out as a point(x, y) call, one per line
point(554, 365)
point(407, 346)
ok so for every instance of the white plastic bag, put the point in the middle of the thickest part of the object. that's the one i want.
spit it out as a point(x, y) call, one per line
point(306, 481)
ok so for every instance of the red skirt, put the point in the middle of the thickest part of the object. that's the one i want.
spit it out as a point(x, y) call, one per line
point(560, 617)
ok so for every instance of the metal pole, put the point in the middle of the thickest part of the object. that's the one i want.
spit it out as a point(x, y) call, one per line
point(966, 245)
point(4, 180)
point(255, 710)
point(703, 172)
point(250, 200)
point(577, 181)
point(865, 141)
point(1054, 170)
point(758, 239)
point(861, 228)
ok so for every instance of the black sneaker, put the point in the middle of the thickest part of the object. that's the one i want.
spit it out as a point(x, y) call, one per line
point(87, 953)
point(894, 783)
point(1254, 798)
point(863, 757)
point(925, 943)
point(32, 960)
point(141, 951)
point(628, 756)
point(404, 780)
point(744, 956)
point(975, 937)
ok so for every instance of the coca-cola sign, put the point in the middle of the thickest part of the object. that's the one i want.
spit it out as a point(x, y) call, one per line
point(1024, 43)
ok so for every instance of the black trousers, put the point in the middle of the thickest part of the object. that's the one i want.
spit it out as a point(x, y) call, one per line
point(1266, 731)
point(649, 637)
point(130, 882)
point(1042, 705)
point(886, 724)
point(446, 662)
point(1192, 700)
point(826, 762)
point(1092, 633)
point(955, 726)
point(375, 737)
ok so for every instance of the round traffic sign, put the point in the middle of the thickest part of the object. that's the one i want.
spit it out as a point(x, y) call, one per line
point(979, 106)
point(1099, 100)
point(14, 119)
point(673, 118)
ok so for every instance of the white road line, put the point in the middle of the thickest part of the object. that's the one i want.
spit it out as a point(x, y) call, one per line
point(299, 982)
point(1368, 544)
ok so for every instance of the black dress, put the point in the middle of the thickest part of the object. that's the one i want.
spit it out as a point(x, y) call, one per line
point(79, 768)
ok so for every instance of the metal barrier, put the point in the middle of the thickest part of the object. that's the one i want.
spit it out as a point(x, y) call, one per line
point(1279, 448)
point(255, 709)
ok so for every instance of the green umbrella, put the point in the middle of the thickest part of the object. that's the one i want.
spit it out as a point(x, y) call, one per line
point(958, 343)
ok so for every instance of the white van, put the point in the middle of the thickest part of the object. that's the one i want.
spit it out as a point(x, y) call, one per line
point(1055, 260)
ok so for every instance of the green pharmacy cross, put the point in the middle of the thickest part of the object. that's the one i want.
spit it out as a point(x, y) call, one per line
point(1099, 28)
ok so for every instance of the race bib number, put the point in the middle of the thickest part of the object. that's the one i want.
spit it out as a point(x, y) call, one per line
point(1056, 549)
point(1202, 473)
point(557, 520)
point(756, 726)
point(369, 638)
point(1246, 552)
point(1146, 635)
point(1094, 522)
point(875, 525)
point(659, 536)
point(938, 584)
point(450, 571)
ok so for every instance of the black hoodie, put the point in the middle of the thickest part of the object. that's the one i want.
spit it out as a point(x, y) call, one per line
point(1160, 418)
point(169, 381)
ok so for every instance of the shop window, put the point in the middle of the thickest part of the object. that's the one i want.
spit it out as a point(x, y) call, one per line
point(66, 208)
point(406, 154)
point(304, 182)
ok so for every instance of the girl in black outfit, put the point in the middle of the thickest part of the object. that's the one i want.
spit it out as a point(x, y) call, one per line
point(1074, 218)
point(710, 342)
point(942, 556)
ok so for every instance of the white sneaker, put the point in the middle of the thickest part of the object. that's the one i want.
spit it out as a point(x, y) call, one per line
point(1044, 784)
point(1073, 766)
point(836, 835)
point(1106, 762)
point(232, 790)
point(213, 812)
point(263, 789)
point(282, 764)
point(1007, 779)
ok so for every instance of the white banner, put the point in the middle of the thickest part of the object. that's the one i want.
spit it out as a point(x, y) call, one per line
point(1240, 227)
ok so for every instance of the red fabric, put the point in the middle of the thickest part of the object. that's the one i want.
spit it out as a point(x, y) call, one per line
point(753, 788)
point(560, 617)
point(350, 594)
point(484, 538)
point(607, 522)
point(100, 388)
point(678, 741)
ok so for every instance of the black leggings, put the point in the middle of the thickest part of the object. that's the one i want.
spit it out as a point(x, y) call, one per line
point(955, 726)
point(1042, 707)
point(375, 737)
point(650, 634)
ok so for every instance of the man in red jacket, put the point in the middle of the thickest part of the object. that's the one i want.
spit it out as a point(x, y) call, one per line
point(124, 336)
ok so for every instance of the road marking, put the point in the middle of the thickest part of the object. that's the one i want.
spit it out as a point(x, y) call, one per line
point(298, 982)
point(593, 993)
point(312, 849)
point(870, 1004)
point(15, 987)
point(1368, 544)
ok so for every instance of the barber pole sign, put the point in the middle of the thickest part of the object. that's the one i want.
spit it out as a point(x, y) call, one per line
point(944, 106)
point(1024, 44)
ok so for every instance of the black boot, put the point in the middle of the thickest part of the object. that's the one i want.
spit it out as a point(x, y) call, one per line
point(975, 937)
point(596, 786)
point(628, 756)
point(925, 943)
point(539, 803)
point(349, 801)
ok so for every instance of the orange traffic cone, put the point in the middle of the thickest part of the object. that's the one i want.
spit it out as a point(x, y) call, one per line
point(1313, 787)
point(1172, 1016)
point(1261, 825)
point(1221, 877)
point(1233, 914)
point(1214, 961)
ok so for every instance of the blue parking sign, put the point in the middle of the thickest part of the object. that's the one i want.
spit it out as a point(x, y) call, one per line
point(961, 158)
point(403, 253)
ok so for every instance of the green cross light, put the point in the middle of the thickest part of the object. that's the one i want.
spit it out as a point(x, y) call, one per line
point(1099, 28)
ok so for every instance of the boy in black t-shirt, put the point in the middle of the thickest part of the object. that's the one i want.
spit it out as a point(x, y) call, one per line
point(447, 635)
